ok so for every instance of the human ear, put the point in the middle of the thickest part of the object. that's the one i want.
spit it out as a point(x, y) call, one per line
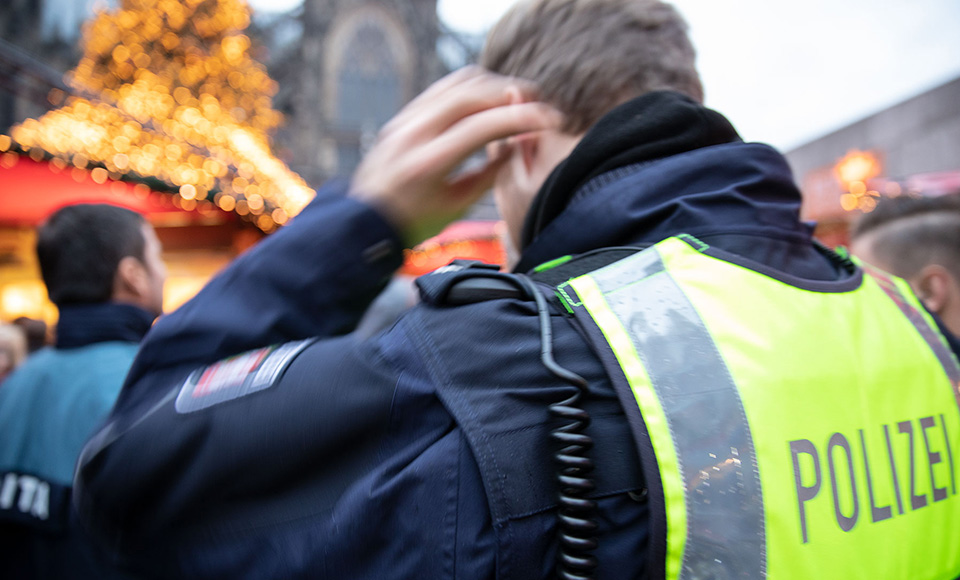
point(521, 166)
point(131, 281)
point(932, 286)
point(529, 146)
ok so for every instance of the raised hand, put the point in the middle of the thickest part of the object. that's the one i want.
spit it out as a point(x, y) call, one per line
point(412, 173)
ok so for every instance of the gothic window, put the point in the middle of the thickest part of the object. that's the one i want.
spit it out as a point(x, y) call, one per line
point(369, 89)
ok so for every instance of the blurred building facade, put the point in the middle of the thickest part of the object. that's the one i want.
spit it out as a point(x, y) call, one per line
point(355, 64)
point(38, 44)
point(911, 148)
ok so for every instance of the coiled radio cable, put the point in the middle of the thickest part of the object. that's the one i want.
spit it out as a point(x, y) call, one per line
point(576, 526)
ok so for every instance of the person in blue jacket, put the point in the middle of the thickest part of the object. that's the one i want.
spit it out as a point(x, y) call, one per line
point(256, 438)
point(102, 268)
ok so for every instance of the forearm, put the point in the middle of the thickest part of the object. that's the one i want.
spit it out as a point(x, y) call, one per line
point(314, 277)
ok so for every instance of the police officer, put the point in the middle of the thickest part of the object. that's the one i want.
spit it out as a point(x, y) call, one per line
point(676, 382)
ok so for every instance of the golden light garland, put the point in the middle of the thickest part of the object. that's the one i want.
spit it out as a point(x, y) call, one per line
point(169, 91)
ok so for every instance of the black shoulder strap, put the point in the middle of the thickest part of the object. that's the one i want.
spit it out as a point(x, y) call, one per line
point(582, 264)
point(469, 281)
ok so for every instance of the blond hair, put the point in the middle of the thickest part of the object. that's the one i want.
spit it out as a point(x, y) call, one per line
point(588, 56)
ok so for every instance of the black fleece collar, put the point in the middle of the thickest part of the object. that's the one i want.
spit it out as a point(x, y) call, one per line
point(653, 126)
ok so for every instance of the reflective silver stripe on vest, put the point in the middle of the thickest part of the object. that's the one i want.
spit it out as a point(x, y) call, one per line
point(718, 463)
point(947, 361)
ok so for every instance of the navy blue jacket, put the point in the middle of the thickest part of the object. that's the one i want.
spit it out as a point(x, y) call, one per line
point(424, 451)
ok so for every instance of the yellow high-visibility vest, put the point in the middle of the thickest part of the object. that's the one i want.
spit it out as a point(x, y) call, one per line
point(799, 429)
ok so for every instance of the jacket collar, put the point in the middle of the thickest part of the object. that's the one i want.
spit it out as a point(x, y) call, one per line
point(656, 167)
point(85, 324)
point(652, 126)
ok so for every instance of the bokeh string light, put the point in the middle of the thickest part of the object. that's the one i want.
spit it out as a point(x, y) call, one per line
point(166, 89)
point(854, 171)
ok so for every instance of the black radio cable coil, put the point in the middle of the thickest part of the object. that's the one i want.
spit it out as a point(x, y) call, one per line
point(576, 527)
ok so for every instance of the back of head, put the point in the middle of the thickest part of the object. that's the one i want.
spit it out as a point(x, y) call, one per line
point(905, 234)
point(79, 248)
point(13, 348)
point(588, 56)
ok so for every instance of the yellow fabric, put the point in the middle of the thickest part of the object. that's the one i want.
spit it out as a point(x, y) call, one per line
point(813, 368)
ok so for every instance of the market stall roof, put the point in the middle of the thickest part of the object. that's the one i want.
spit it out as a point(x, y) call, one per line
point(468, 240)
point(30, 191)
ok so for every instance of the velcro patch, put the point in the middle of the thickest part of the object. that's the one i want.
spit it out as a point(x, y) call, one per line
point(237, 376)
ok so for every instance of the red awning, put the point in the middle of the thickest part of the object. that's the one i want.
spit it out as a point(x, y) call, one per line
point(469, 240)
point(30, 191)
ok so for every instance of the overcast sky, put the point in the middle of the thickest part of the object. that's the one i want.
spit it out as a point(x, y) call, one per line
point(787, 72)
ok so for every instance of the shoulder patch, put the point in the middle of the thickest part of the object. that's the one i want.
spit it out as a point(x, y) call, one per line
point(237, 376)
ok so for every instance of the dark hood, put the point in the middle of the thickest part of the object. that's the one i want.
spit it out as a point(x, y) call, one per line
point(662, 165)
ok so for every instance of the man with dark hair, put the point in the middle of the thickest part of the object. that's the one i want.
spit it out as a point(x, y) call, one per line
point(917, 239)
point(102, 268)
point(650, 394)
point(91, 254)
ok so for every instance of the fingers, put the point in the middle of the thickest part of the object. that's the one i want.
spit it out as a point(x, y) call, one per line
point(464, 96)
point(473, 96)
point(410, 175)
point(475, 131)
point(417, 104)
